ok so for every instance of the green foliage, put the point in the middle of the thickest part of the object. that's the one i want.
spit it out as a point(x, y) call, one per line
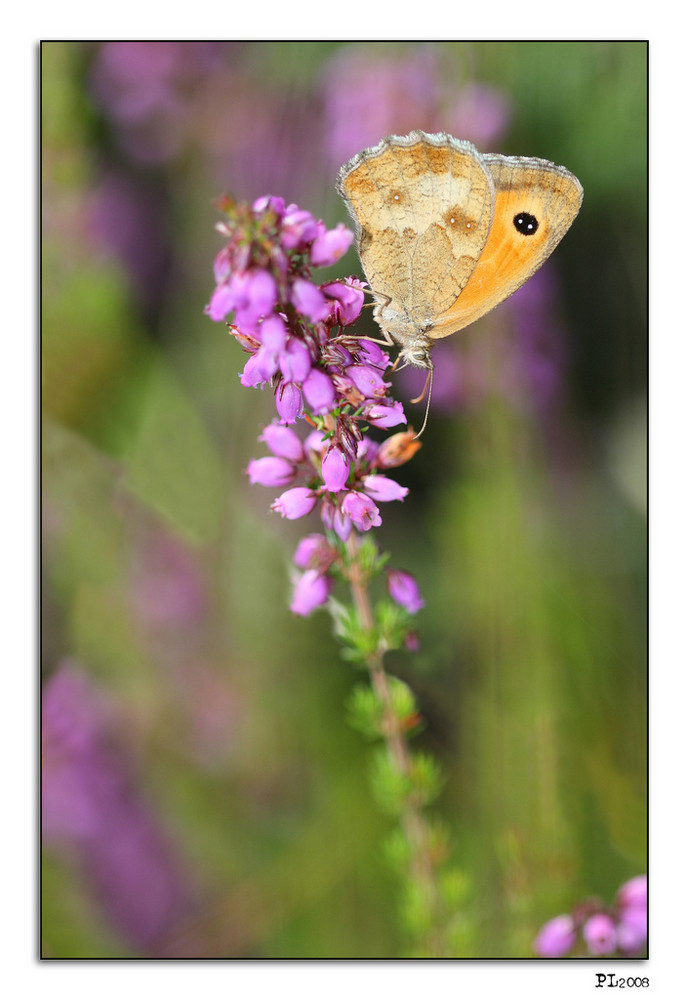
point(367, 715)
point(394, 790)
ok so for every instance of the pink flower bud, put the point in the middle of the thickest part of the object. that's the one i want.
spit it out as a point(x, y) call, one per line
point(331, 245)
point(283, 442)
point(599, 934)
point(309, 300)
point(288, 402)
point(295, 361)
point(383, 415)
point(295, 503)
point(383, 489)
point(270, 471)
point(556, 938)
point(312, 590)
point(367, 380)
point(319, 391)
point(314, 552)
point(335, 469)
point(404, 590)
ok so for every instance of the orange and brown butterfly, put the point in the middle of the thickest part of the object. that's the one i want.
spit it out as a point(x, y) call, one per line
point(446, 233)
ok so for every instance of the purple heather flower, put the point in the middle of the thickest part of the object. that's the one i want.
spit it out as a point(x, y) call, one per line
point(272, 333)
point(309, 300)
point(404, 590)
point(221, 303)
point(335, 519)
point(632, 930)
point(269, 203)
point(634, 893)
point(271, 471)
point(295, 360)
point(250, 294)
point(312, 589)
point(362, 510)
point(556, 938)
point(371, 354)
point(335, 468)
point(299, 228)
point(254, 372)
point(273, 337)
point(367, 380)
point(383, 489)
point(295, 503)
point(288, 401)
point(331, 245)
point(599, 934)
point(283, 442)
point(367, 450)
point(319, 391)
point(346, 301)
point(385, 414)
point(313, 551)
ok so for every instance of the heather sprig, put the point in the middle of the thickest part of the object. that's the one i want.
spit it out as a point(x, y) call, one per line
point(299, 346)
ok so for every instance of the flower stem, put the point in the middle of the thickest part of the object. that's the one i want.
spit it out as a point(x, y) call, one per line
point(412, 819)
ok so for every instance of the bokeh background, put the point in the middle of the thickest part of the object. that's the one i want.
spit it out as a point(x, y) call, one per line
point(202, 792)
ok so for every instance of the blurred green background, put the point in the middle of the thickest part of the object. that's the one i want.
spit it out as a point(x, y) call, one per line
point(203, 794)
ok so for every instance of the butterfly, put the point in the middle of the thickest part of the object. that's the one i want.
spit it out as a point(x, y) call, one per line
point(445, 233)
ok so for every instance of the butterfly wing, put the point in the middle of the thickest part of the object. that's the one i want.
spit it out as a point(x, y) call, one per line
point(535, 204)
point(423, 205)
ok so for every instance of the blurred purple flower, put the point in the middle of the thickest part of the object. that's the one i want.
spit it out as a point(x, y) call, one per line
point(129, 218)
point(331, 245)
point(309, 300)
point(556, 938)
point(168, 587)
point(371, 93)
point(620, 930)
point(632, 931)
point(599, 934)
point(481, 114)
point(314, 552)
point(404, 590)
point(311, 591)
point(535, 370)
point(144, 88)
point(91, 807)
point(634, 893)
point(283, 442)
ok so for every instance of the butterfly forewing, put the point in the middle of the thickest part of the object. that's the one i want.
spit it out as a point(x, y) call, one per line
point(424, 206)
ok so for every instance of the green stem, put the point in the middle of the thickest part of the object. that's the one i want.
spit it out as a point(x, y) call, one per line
point(413, 822)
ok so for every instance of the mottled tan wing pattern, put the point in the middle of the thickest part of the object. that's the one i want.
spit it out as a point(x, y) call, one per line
point(423, 207)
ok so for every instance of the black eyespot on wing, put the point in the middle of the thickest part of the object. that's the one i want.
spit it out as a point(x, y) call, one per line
point(525, 223)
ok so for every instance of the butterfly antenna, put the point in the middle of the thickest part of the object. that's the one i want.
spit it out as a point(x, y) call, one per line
point(428, 386)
